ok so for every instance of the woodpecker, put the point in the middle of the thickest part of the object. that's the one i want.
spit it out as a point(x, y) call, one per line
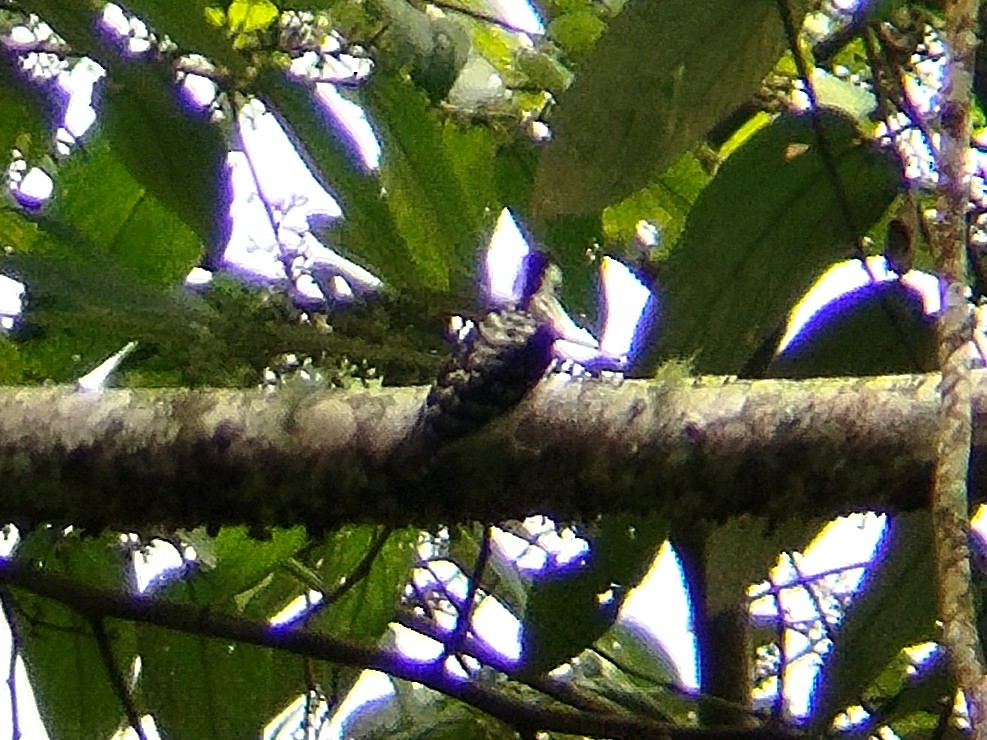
point(498, 359)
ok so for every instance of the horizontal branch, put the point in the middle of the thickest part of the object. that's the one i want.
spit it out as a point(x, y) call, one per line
point(709, 447)
point(97, 604)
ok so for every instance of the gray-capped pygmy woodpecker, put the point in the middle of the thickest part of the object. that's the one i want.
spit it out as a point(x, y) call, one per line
point(497, 360)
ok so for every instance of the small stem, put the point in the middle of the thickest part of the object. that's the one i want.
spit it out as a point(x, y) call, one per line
point(116, 678)
point(7, 604)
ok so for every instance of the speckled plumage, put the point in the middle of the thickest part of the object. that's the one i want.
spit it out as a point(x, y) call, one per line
point(496, 362)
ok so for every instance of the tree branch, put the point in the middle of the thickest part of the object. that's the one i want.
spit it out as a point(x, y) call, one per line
point(98, 604)
point(950, 504)
point(688, 449)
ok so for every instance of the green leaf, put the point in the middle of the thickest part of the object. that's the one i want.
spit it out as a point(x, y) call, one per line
point(543, 71)
point(661, 75)
point(24, 112)
point(82, 305)
point(896, 608)
point(247, 16)
point(429, 197)
point(177, 157)
point(70, 681)
point(199, 687)
point(100, 200)
point(906, 696)
point(665, 203)
point(185, 23)
point(366, 609)
point(566, 612)
point(637, 652)
point(875, 330)
point(576, 32)
point(233, 565)
point(418, 713)
point(761, 233)
point(744, 549)
point(202, 687)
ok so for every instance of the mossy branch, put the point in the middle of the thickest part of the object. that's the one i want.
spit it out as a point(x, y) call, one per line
point(688, 448)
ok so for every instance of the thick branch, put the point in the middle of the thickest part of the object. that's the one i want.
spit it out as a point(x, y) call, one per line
point(709, 448)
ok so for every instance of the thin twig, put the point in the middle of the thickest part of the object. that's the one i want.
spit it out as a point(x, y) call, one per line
point(561, 691)
point(801, 581)
point(362, 569)
point(813, 597)
point(116, 678)
point(472, 589)
point(781, 628)
point(10, 614)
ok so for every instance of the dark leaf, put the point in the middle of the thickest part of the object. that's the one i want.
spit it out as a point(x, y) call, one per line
point(895, 609)
point(569, 610)
point(879, 329)
point(762, 231)
point(661, 75)
point(69, 678)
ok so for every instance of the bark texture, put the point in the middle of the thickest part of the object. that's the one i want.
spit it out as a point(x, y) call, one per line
point(950, 504)
point(689, 449)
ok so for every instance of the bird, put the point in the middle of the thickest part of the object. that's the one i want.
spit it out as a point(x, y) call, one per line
point(499, 358)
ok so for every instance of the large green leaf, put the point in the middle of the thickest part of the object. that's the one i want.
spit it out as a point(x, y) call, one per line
point(763, 230)
point(177, 157)
point(99, 198)
point(896, 608)
point(567, 611)
point(68, 675)
point(366, 609)
point(665, 203)
point(440, 185)
point(233, 565)
point(662, 74)
point(82, 304)
point(199, 687)
point(875, 330)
